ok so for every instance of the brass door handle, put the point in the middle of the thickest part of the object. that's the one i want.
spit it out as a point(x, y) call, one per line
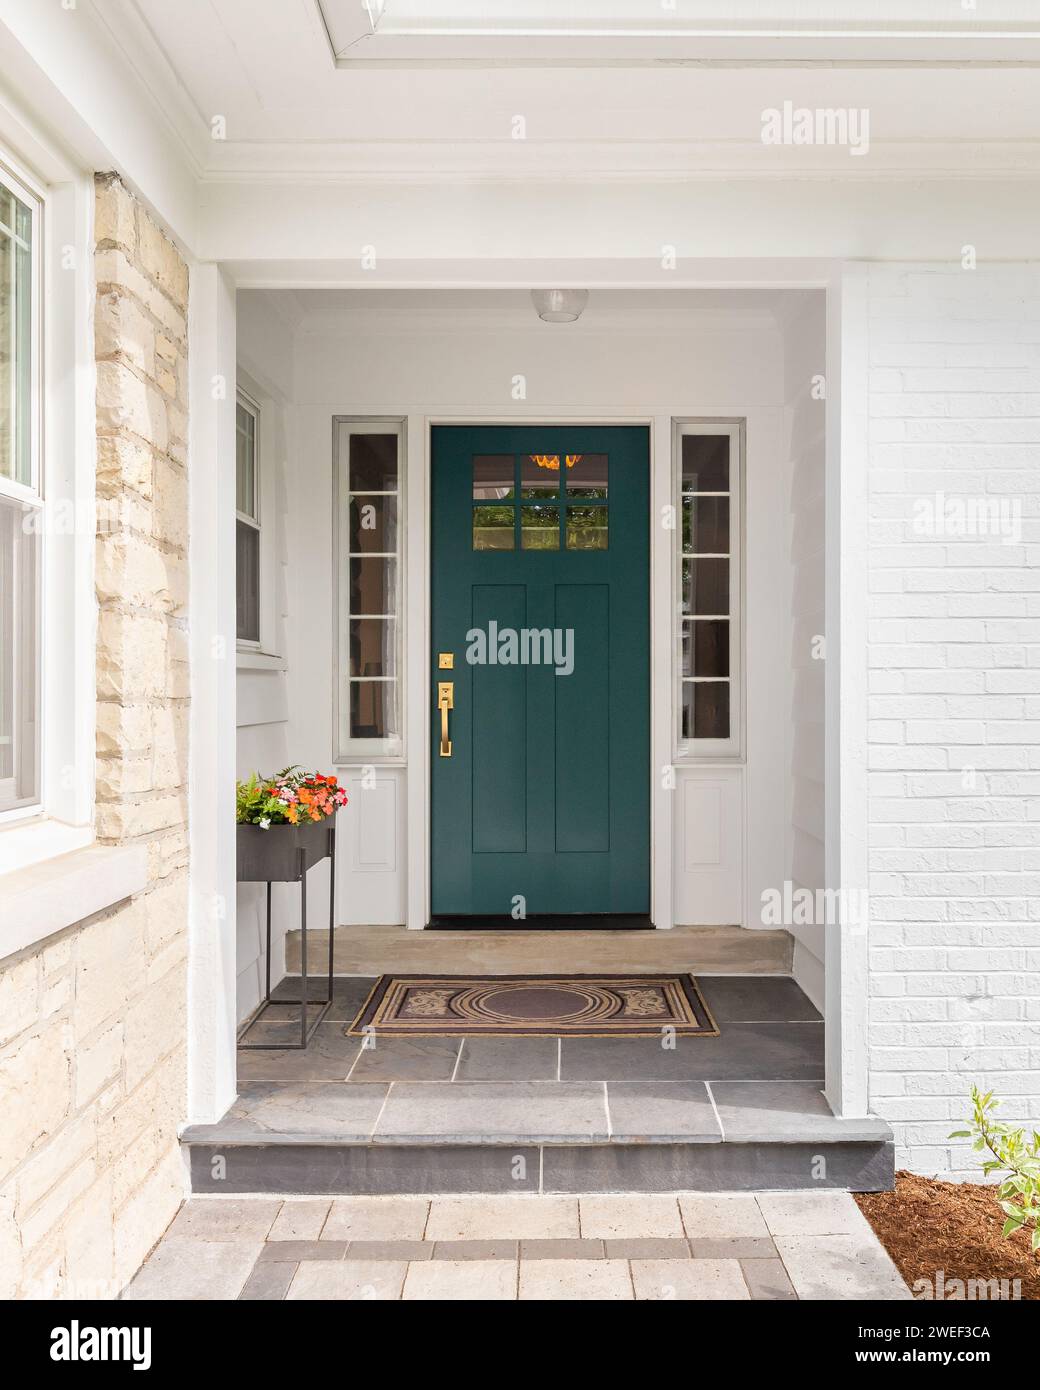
point(445, 702)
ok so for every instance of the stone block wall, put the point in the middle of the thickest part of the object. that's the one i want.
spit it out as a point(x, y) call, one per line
point(93, 1021)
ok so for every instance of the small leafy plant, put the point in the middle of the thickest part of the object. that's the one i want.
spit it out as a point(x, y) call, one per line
point(290, 797)
point(1013, 1154)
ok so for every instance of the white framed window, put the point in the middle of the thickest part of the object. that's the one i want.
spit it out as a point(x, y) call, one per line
point(21, 496)
point(368, 463)
point(709, 639)
point(247, 521)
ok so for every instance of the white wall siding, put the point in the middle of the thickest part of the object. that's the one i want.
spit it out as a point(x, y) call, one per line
point(954, 658)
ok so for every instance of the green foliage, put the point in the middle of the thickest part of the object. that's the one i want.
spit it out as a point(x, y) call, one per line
point(1013, 1154)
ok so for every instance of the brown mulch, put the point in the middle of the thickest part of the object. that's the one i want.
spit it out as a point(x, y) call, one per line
point(927, 1225)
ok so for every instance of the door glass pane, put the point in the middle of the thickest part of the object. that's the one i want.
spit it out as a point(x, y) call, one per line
point(245, 461)
point(705, 587)
point(373, 709)
point(373, 647)
point(586, 475)
point(705, 648)
point(373, 586)
point(247, 581)
point(373, 463)
point(540, 475)
point(540, 528)
point(705, 711)
point(493, 477)
point(373, 524)
point(705, 463)
point(706, 525)
point(15, 337)
point(19, 694)
point(493, 528)
point(587, 528)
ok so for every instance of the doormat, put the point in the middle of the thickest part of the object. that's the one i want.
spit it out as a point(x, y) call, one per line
point(585, 1006)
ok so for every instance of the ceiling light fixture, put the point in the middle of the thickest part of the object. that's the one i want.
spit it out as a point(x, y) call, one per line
point(560, 306)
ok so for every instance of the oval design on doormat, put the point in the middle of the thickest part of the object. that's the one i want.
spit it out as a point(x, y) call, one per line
point(522, 1005)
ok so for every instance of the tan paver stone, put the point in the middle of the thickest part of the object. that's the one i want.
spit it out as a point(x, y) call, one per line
point(700, 1280)
point(224, 1218)
point(357, 1280)
point(841, 1266)
point(462, 1280)
point(629, 1217)
point(194, 1270)
point(299, 1221)
point(502, 1218)
point(566, 1280)
point(721, 1216)
point(812, 1214)
point(376, 1218)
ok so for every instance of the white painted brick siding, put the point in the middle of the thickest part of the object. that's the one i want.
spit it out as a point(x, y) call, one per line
point(954, 659)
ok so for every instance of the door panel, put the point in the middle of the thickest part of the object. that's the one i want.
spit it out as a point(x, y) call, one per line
point(540, 563)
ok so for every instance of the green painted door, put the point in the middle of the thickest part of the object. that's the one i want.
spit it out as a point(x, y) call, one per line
point(540, 594)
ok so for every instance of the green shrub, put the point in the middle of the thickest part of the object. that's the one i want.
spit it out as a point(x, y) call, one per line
point(1013, 1154)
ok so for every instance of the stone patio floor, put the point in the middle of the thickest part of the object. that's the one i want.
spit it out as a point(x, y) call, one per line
point(805, 1245)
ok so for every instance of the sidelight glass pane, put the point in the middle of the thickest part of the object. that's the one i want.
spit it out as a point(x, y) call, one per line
point(706, 525)
point(19, 658)
point(705, 709)
point(493, 528)
point(373, 647)
point(587, 475)
point(705, 647)
point(705, 587)
point(373, 524)
point(587, 528)
point(373, 463)
point(247, 581)
point(373, 586)
point(373, 709)
point(539, 528)
point(16, 345)
point(705, 463)
point(494, 477)
point(540, 475)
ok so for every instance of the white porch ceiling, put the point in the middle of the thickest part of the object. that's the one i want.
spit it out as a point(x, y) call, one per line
point(253, 89)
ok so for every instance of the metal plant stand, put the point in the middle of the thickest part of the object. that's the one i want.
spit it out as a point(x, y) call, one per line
point(294, 870)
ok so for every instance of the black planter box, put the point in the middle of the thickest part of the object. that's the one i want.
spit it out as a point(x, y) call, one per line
point(272, 855)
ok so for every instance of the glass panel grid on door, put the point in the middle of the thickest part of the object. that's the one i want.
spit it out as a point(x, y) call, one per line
point(368, 478)
point(708, 536)
point(544, 501)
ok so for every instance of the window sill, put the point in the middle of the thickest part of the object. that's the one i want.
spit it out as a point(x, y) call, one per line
point(35, 838)
point(246, 659)
point(45, 898)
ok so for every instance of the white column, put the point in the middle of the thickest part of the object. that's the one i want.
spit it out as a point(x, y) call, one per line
point(211, 471)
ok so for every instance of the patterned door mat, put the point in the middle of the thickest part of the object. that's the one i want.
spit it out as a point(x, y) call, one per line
point(608, 1006)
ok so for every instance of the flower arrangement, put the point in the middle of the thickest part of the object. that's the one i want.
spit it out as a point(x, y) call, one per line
point(291, 797)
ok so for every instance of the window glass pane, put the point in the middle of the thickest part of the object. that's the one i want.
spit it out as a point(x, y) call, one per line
point(373, 587)
point(705, 587)
point(245, 461)
point(705, 648)
point(494, 477)
point(19, 691)
point(587, 475)
point(247, 581)
point(373, 709)
point(705, 710)
point(493, 528)
point(373, 647)
point(705, 463)
point(540, 475)
point(587, 528)
point(706, 525)
point(373, 524)
point(15, 337)
point(373, 463)
point(539, 528)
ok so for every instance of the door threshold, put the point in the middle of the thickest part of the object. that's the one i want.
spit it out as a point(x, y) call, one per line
point(592, 921)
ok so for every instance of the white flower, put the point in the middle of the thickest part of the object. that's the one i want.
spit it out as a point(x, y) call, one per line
point(265, 823)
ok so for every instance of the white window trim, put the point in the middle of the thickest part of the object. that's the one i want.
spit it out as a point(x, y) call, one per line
point(362, 750)
point(246, 401)
point(701, 750)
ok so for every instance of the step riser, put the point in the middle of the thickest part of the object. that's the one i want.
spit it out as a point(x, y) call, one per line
point(365, 1169)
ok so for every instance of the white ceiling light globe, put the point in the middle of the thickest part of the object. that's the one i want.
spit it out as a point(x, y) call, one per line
point(559, 306)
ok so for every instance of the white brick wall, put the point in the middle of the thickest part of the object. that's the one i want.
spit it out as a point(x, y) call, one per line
point(954, 709)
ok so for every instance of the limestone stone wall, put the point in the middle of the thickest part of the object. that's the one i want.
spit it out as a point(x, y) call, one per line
point(93, 1022)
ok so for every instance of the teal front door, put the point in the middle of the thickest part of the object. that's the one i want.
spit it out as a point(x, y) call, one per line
point(540, 682)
